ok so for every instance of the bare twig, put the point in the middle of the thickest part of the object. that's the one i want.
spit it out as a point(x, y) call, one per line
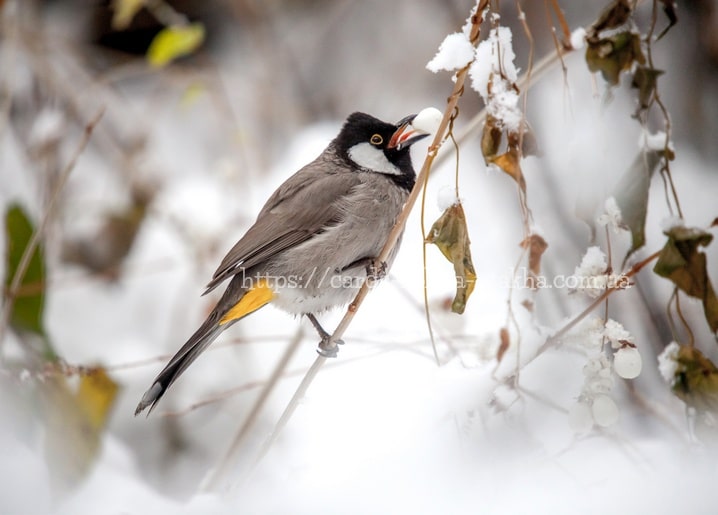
point(215, 477)
point(42, 226)
point(391, 240)
point(289, 410)
point(427, 311)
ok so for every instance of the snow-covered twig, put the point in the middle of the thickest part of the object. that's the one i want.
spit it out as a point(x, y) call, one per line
point(554, 338)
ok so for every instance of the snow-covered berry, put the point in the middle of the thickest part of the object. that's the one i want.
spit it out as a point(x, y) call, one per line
point(428, 120)
point(627, 362)
point(604, 410)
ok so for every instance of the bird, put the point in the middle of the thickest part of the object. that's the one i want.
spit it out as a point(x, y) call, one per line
point(315, 241)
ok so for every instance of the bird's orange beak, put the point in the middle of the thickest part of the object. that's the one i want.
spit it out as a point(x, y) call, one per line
point(406, 134)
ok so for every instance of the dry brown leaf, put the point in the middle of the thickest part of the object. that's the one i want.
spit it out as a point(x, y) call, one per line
point(451, 235)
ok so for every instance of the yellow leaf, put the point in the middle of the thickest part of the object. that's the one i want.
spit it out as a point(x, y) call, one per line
point(95, 396)
point(450, 234)
point(173, 42)
point(74, 421)
point(191, 94)
point(124, 11)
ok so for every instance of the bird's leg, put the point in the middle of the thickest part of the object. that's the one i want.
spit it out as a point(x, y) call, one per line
point(375, 270)
point(324, 349)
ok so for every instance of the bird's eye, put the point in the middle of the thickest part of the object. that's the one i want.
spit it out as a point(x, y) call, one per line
point(376, 139)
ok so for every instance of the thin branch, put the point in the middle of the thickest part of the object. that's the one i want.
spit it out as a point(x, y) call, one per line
point(391, 239)
point(289, 410)
point(427, 312)
point(666, 170)
point(39, 233)
point(554, 338)
point(398, 228)
point(682, 318)
point(214, 478)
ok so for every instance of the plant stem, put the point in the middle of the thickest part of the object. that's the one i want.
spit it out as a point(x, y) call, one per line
point(39, 233)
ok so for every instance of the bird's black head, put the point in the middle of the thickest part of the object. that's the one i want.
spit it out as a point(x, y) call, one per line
point(369, 144)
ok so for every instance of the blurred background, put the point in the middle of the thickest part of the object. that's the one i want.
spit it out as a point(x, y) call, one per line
point(175, 170)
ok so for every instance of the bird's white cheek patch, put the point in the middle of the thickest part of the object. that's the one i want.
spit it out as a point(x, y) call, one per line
point(367, 156)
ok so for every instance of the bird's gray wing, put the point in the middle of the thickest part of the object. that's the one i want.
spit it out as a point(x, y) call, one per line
point(306, 204)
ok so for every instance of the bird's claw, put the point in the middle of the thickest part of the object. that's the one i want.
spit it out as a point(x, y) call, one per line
point(375, 270)
point(327, 350)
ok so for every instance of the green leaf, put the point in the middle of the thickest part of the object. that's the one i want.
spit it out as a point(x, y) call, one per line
point(631, 194)
point(450, 234)
point(174, 42)
point(682, 263)
point(29, 302)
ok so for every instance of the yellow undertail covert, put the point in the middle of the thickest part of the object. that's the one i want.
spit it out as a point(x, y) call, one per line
point(250, 302)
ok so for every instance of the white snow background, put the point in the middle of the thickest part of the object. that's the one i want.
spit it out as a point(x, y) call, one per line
point(382, 429)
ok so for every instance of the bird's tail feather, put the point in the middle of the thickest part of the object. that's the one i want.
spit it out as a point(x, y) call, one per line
point(235, 304)
point(197, 343)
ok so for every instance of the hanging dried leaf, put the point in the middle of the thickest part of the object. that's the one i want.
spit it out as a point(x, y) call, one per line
point(669, 9)
point(614, 54)
point(504, 343)
point(174, 42)
point(682, 263)
point(631, 194)
point(490, 139)
point(644, 80)
point(509, 163)
point(451, 235)
point(536, 246)
point(613, 16)
point(695, 380)
point(529, 144)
